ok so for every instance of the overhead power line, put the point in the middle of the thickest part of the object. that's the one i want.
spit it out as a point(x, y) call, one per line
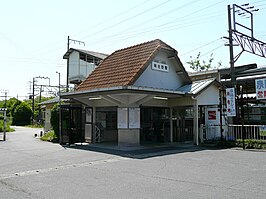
point(112, 18)
point(127, 19)
point(201, 47)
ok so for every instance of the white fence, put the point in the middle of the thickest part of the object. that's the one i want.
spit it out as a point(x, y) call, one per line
point(233, 132)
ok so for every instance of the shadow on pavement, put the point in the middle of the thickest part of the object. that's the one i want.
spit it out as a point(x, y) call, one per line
point(141, 152)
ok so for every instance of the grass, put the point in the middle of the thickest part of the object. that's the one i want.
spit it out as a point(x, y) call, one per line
point(249, 144)
point(35, 126)
point(49, 136)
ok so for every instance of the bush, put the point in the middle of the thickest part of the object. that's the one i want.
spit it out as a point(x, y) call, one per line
point(22, 114)
point(50, 136)
point(251, 144)
point(8, 129)
point(55, 119)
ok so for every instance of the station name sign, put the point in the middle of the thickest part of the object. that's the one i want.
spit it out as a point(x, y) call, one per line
point(260, 89)
point(230, 102)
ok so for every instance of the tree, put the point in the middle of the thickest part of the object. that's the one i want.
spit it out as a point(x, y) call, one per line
point(13, 106)
point(198, 66)
point(22, 114)
point(55, 119)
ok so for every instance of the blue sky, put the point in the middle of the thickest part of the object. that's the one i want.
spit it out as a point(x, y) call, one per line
point(33, 33)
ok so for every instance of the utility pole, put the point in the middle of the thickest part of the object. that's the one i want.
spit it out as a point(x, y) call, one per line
point(67, 85)
point(5, 96)
point(232, 61)
point(60, 119)
point(33, 88)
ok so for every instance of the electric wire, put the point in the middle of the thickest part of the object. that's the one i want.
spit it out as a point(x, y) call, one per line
point(127, 19)
point(200, 47)
point(131, 29)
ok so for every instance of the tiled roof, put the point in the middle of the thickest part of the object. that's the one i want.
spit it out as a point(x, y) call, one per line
point(124, 66)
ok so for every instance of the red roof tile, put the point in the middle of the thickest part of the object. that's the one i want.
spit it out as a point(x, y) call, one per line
point(123, 67)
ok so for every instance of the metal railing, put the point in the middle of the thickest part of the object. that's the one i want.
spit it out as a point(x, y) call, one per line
point(232, 132)
point(98, 134)
point(253, 132)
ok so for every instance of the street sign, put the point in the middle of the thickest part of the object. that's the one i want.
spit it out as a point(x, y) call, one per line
point(230, 102)
point(260, 89)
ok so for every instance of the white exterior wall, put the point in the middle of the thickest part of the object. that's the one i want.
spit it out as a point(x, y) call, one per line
point(210, 96)
point(79, 69)
point(47, 124)
point(73, 65)
point(86, 68)
point(160, 79)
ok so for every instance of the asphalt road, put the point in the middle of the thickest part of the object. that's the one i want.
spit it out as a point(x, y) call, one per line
point(30, 168)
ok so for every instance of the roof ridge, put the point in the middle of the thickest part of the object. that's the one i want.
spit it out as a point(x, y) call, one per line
point(89, 51)
point(144, 43)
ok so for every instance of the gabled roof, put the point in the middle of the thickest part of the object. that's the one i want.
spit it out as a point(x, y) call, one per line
point(123, 67)
point(94, 54)
point(197, 86)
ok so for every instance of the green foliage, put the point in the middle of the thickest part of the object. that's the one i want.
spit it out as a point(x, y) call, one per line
point(198, 66)
point(55, 119)
point(9, 105)
point(36, 104)
point(50, 136)
point(251, 144)
point(8, 128)
point(35, 125)
point(14, 106)
point(22, 114)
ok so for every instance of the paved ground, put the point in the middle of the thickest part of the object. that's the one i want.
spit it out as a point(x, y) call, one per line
point(30, 168)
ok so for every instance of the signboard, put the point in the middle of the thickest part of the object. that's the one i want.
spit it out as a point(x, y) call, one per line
point(212, 115)
point(260, 89)
point(230, 102)
point(134, 117)
point(122, 118)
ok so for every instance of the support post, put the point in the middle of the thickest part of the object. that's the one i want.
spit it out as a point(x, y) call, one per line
point(171, 124)
point(196, 121)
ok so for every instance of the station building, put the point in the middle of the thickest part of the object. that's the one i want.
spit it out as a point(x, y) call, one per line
point(140, 94)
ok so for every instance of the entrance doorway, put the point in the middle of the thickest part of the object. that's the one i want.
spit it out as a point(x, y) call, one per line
point(155, 125)
point(106, 124)
point(71, 124)
point(183, 124)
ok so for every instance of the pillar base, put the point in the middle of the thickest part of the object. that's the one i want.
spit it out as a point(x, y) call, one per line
point(128, 137)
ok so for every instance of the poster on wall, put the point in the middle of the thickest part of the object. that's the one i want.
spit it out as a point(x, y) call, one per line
point(122, 118)
point(260, 89)
point(134, 117)
point(230, 102)
point(212, 115)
